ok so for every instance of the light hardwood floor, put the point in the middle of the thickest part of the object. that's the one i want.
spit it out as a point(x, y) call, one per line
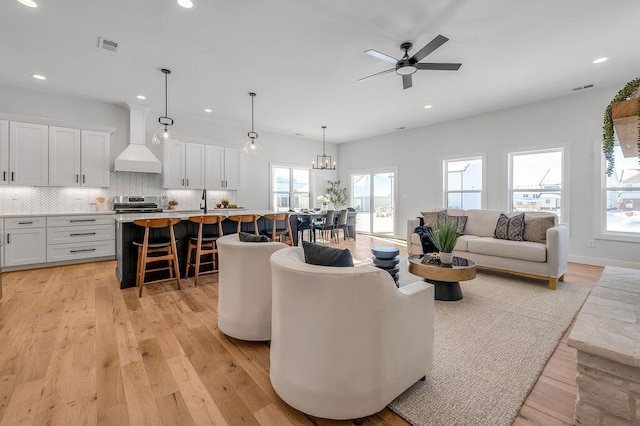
point(77, 350)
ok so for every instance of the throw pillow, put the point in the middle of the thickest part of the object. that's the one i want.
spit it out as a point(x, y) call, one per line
point(459, 221)
point(535, 229)
point(315, 254)
point(510, 228)
point(251, 238)
point(430, 218)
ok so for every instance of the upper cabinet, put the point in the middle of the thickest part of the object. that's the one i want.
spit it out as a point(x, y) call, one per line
point(78, 157)
point(4, 152)
point(183, 165)
point(222, 168)
point(28, 154)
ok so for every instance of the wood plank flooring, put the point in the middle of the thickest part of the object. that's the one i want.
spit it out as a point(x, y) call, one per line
point(77, 350)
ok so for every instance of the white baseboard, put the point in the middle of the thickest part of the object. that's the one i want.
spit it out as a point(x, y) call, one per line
point(603, 262)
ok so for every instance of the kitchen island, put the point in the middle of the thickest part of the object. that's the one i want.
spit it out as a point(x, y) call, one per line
point(127, 232)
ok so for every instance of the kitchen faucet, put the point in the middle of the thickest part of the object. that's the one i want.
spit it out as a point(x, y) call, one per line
point(203, 205)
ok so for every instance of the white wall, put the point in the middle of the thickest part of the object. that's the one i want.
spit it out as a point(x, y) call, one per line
point(254, 177)
point(573, 122)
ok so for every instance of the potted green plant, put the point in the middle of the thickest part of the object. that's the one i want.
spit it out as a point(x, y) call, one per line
point(337, 196)
point(444, 235)
point(173, 204)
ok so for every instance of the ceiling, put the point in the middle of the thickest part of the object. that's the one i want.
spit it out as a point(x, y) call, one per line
point(303, 58)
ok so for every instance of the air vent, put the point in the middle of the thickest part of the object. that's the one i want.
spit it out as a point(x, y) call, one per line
point(588, 86)
point(110, 45)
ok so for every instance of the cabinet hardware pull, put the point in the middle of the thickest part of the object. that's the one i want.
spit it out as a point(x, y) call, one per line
point(182, 182)
point(25, 223)
point(82, 220)
point(8, 238)
point(83, 233)
point(81, 251)
point(83, 178)
point(77, 178)
point(4, 175)
point(13, 176)
point(187, 181)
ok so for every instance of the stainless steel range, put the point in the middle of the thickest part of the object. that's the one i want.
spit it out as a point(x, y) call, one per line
point(136, 204)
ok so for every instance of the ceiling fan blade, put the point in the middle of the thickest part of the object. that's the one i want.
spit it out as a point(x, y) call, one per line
point(439, 67)
point(376, 74)
point(407, 82)
point(430, 47)
point(381, 55)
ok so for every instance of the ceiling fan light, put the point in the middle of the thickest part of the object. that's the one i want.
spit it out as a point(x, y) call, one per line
point(406, 70)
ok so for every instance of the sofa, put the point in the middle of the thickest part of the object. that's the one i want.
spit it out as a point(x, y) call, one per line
point(544, 260)
point(345, 341)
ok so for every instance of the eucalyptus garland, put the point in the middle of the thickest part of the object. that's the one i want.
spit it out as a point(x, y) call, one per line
point(607, 128)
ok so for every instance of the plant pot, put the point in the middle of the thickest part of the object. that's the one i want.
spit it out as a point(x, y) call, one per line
point(172, 207)
point(446, 258)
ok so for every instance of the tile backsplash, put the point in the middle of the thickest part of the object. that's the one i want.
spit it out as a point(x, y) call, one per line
point(22, 199)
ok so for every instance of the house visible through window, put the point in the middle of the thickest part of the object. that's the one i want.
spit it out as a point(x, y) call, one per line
point(535, 180)
point(290, 188)
point(463, 183)
point(622, 192)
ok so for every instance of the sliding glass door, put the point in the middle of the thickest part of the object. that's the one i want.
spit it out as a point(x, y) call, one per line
point(373, 196)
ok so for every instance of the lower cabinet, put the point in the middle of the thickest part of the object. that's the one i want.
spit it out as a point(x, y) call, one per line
point(80, 237)
point(25, 243)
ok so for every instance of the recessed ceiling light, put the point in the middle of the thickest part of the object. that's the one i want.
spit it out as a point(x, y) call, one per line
point(187, 4)
point(39, 77)
point(208, 110)
point(28, 3)
point(600, 60)
point(428, 106)
point(143, 97)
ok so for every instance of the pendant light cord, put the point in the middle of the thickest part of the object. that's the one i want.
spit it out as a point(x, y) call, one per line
point(166, 94)
point(324, 130)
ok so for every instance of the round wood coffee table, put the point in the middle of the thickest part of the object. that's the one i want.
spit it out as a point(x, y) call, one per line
point(445, 278)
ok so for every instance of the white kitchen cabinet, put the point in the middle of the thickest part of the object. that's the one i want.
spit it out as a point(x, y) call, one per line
point(222, 167)
point(28, 154)
point(183, 165)
point(4, 152)
point(25, 241)
point(78, 158)
point(94, 158)
point(80, 237)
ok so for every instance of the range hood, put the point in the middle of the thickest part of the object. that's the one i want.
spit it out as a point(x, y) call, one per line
point(136, 157)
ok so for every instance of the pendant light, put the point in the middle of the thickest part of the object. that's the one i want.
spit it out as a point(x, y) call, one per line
point(252, 147)
point(324, 160)
point(164, 132)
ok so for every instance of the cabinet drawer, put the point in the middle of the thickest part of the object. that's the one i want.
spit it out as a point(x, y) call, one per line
point(79, 220)
point(76, 251)
point(24, 222)
point(70, 234)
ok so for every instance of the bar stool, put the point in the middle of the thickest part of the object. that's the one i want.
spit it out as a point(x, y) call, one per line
point(246, 218)
point(162, 248)
point(278, 234)
point(203, 244)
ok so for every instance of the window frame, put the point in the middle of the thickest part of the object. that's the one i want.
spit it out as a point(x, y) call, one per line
point(291, 191)
point(601, 232)
point(444, 174)
point(564, 184)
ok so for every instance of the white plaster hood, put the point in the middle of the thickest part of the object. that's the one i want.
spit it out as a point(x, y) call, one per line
point(136, 157)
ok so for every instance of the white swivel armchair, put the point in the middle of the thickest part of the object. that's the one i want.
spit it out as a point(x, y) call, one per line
point(244, 287)
point(345, 342)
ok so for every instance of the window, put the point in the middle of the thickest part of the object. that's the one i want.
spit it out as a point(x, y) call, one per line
point(622, 193)
point(463, 183)
point(535, 181)
point(290, 188)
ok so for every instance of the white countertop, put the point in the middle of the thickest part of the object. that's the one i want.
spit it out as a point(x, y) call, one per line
point(185, 214)
point(56, 214)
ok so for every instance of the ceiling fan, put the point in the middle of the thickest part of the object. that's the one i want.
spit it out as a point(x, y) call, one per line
point(409, 65)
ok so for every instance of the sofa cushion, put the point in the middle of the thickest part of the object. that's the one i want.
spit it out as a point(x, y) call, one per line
point(315, 254)
point(463, 242)
point(251, 238)
point(523, 250)
point(481, 222)
point(430, 218)
point(535, 229)
point(415, 239)
point(510, 228)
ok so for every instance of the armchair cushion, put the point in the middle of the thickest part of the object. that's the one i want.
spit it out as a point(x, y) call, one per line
point(251, 238)
point(316, 254)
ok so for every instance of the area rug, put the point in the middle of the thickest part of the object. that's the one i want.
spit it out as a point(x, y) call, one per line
point(490, 348)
